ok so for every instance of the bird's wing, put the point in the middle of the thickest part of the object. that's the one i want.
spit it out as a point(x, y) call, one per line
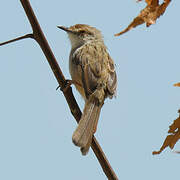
point(137, 21)
point(98, 72)
point(90, 61)
point(91, 74)
point(112, 79)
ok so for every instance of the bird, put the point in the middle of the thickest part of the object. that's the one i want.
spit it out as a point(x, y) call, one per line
point(148, 15)
point(93, 73)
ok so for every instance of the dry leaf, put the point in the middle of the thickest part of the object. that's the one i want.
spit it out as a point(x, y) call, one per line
point(148, 15)
point(177, 84)
point(172, 139)
point(147, 1)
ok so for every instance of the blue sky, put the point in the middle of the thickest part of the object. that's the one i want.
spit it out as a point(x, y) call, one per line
point(35, 123)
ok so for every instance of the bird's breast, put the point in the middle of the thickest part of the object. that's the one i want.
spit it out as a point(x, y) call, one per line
point(76, 73)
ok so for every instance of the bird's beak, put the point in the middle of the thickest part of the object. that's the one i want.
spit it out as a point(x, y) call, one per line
point(65, 29)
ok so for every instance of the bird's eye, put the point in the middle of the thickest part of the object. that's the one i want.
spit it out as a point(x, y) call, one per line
point(82, 31)
point(85, 32)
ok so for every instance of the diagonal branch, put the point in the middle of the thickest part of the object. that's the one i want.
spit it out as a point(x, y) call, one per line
point(17, 39)
point(40, 38)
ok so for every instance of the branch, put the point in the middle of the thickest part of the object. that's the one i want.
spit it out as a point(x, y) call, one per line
point(75, 110)
point(17, 39)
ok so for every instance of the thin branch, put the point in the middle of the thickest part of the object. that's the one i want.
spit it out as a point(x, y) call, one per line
point(75, 110)
point(17, 39)
point(103, 160)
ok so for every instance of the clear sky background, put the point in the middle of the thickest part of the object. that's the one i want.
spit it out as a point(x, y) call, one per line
point(35, 122)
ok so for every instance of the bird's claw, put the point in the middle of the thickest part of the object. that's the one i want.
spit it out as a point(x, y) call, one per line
point(67, 84)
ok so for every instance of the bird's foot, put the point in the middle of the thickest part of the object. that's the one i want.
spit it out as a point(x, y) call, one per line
point(67, 84)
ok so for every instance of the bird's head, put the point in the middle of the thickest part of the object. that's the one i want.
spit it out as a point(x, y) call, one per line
point(82, 33)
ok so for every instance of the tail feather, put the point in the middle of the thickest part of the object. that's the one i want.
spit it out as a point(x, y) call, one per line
point(89, 130)
point(85, 149)
point(97, 118)
point(85, 130)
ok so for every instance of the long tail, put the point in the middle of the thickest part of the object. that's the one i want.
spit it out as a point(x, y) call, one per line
point(82, 136)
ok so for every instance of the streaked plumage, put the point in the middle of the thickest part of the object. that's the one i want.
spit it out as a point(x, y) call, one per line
point(93, 69)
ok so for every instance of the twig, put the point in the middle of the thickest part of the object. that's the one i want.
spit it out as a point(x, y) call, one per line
point(17, 39)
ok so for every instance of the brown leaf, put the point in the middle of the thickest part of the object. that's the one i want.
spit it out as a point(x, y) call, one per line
point(177, 84)
point(166, 143)
point(172, 139)
point(148, 15)
point(148, 1)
